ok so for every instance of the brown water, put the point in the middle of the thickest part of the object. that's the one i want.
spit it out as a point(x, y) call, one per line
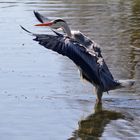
point(41, 95)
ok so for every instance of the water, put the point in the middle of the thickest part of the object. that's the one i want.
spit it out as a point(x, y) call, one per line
point(41, 95)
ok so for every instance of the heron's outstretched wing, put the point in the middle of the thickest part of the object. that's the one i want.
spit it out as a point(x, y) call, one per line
point(76, 53)
point(92, 69)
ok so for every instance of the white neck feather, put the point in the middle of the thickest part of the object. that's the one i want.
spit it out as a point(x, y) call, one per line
point(66, 29)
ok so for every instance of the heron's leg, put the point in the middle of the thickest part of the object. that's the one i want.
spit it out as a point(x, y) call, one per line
point(99, 94)
point(98, 107)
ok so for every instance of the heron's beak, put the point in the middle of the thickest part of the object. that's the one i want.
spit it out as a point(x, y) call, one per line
point(45, 24)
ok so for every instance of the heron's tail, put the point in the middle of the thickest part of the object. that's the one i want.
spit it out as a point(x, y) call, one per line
point(126, 83)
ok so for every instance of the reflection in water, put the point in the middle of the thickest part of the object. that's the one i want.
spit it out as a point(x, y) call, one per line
point(92, 127)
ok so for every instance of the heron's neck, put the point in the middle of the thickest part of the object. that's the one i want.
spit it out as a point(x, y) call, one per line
point(66, 29)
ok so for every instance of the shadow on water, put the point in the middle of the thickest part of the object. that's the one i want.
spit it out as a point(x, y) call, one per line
point(93, 126)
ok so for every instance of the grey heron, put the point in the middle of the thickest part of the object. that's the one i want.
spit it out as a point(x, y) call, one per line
point(84, 52)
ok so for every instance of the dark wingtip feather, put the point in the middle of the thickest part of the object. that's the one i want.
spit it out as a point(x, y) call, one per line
point(26, 30)
point(35, 39)
point(38, 16)
point(57, 33)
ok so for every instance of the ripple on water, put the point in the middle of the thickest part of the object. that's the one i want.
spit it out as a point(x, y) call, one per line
point(41, 92)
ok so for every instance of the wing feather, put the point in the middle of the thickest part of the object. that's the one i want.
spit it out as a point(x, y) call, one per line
point(92, 70)
point(40, 17)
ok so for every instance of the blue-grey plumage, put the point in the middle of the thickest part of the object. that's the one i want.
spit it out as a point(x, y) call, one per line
point(94, 72)
point(85, 53)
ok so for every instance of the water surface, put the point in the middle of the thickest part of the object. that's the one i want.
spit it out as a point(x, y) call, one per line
point(41, 95)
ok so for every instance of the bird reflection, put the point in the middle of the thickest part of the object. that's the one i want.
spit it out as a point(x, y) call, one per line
point(92, 127)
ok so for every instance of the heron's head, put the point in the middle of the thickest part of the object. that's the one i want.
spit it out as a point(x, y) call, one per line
point(55, 24)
